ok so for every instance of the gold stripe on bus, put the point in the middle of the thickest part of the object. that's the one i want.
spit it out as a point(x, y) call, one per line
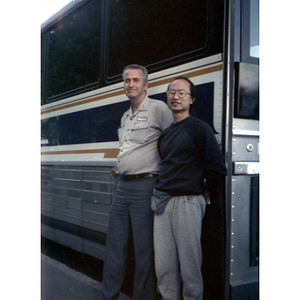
point(188, 75)
point(151, 84)
point(83, 102)
point(108, 153)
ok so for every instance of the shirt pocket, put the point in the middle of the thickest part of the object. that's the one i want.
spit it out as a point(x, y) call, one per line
point(139, 132)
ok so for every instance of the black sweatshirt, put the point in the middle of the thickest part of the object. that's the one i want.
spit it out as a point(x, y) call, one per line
point(190, 153)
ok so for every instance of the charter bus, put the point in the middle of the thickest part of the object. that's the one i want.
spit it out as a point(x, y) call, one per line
point(85, 47)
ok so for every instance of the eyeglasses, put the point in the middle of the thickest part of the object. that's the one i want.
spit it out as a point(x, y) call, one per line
point(180, 93)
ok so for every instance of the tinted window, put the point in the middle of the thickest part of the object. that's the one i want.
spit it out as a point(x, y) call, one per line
point(254, 28)
point(250, 31)
point(246, 91)
point(159, 33)
point(74, 51)
point(89, 46)
point(254, 222)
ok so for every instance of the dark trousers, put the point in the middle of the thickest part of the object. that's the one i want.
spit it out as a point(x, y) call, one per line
point(131, 204)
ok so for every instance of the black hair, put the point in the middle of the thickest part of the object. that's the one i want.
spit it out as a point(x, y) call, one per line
point(192, 89)
point(192, 86)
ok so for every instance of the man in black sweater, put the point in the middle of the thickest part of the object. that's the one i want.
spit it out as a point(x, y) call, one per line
point(192, 163)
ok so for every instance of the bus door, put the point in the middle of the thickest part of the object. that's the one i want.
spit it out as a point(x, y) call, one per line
point(243, 153)
point(244, 235)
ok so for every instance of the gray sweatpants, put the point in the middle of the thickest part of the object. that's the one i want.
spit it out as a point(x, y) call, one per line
point(177, 245)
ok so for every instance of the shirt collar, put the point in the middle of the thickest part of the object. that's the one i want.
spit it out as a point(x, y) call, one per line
point(143, 106)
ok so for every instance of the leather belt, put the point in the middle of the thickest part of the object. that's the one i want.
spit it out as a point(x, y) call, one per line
point(138, 176)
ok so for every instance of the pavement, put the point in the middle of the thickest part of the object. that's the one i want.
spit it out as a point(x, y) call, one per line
point(59, 282)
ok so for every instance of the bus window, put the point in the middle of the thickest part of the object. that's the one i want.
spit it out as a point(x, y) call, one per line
point(254, 29)
point(250, 31)
point(246, 103)
point(161, 33)
point(73, 52)
point(254, 222)
point(89, 46)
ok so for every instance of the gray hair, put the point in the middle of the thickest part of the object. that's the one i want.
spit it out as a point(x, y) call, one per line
point(138, 67)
